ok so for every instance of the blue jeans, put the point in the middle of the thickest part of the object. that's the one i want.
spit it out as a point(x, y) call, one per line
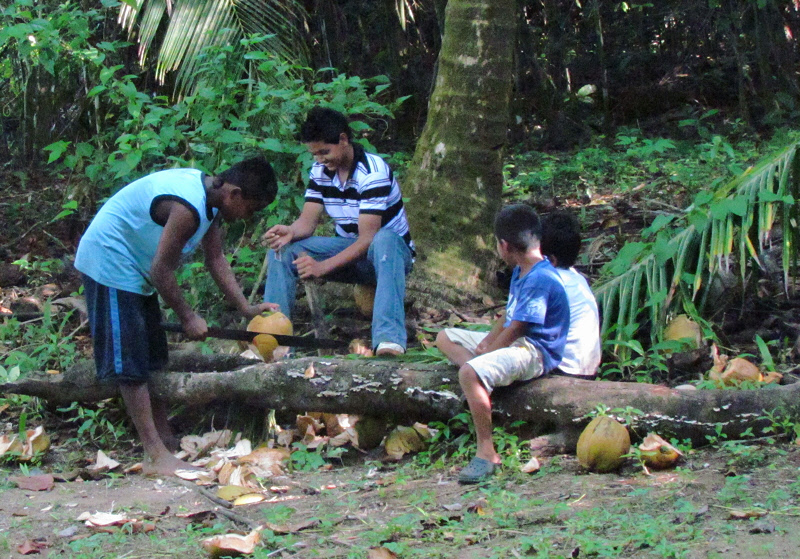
point(385, 266)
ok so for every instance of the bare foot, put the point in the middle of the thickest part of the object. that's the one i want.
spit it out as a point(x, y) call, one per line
point(166, 466)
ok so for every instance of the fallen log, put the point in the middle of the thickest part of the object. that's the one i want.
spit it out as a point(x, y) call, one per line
point(407, 392)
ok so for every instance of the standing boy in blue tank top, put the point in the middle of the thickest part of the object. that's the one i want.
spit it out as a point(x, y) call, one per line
point(129, 254)
point(524, 344)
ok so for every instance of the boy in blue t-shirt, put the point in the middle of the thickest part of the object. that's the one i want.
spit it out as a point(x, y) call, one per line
point(524, 344)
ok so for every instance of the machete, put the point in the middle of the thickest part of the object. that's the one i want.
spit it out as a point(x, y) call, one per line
point(248, 336)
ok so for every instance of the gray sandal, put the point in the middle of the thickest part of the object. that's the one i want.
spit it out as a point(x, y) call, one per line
point(477, 470)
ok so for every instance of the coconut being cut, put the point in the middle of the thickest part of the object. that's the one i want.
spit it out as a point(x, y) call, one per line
point(272, 323)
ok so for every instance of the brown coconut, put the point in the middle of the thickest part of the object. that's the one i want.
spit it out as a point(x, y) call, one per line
point(684, 329)
point(364, 296)
point(603, 444)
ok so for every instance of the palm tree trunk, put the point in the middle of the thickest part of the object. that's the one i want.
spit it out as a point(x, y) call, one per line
point(456, 177)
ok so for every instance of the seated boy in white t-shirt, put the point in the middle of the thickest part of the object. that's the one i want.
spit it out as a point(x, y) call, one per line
point(561, 243)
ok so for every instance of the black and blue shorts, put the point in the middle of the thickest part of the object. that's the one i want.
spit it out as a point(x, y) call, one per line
point(126, 333)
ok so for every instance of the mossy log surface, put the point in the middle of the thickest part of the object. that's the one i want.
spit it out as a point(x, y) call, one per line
point(408, 392)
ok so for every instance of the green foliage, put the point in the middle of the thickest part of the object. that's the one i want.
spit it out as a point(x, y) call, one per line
point(781, 424)
point(308, 460)
point(677, 258)
point(627, 415)
point(222, 120)
point(191, 27)
point(97, 425)
point(9, 375)
point(631, 161)
point(38, 345)
point(455, 441)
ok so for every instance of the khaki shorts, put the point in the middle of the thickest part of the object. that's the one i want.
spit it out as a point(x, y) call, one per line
point(520, 362)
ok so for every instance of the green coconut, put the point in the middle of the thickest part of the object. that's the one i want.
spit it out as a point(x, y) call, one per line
point(603, 444)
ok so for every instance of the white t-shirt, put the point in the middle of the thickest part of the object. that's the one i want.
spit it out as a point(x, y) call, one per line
point(582, 351)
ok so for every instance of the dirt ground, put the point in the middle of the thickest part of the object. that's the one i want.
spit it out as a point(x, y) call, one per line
point(736, 500)
point(559, 511)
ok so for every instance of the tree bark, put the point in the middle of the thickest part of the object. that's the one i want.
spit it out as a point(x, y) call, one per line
point(456, 176)
point(408, 392)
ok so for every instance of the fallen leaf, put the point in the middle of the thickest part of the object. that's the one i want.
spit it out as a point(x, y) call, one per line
point(292, 528)
point(337, 423)
point(29, 547)
point(380, 553)
point(532, 466)
point(241, 448)
point(744, 514)
point(36, 442)
point(104, 519)
point(43, 482)
point(243, 476)
point(103, 463)
point(230, 544)
point(310, 372)
point(287, 436)
point(479, 507)
point(133, 469)
point(193, 475)
point(266, 462)
point(197, 446)
point(347, 436)
point(249, 499)
point(308, 425)
point(231, 492)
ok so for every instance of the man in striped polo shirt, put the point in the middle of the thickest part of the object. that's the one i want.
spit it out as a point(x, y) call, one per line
point(372, 245)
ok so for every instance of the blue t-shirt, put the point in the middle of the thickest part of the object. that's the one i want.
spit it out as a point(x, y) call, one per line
point(120, 243)
point(539, 299)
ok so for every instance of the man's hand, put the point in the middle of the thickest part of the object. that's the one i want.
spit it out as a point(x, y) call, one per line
point(277, 236)
point(308, 268)
point(194, 327)
point(253, 311)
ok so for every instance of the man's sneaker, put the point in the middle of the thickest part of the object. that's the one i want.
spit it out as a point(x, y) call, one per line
point(390, 349)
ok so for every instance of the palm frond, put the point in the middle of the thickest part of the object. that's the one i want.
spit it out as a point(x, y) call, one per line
point(736, 223)
point(196, 24)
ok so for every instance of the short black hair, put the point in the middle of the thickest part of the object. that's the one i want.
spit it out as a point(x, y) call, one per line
point(519, 226)
point(254, 176)
point(325, 125)
point(561, 237)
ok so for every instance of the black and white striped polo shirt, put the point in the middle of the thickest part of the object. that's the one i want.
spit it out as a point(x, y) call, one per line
point(371, 189)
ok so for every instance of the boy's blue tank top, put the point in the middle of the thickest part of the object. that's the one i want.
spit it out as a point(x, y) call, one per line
point(118, 248)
